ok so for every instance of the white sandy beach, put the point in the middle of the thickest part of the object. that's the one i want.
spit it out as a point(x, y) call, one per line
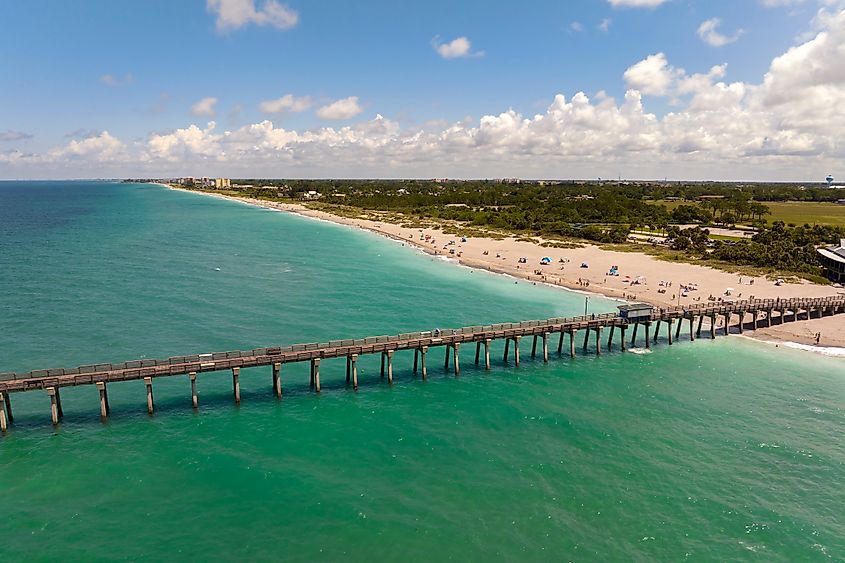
point(640, 277)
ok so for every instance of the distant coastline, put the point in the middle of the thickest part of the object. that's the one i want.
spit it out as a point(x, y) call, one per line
point(572, 277)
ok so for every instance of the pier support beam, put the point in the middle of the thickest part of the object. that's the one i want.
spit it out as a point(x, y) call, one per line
point(727, 324)
point(610, 337)
point(678, 330)
point(4, 423)
point(446, 361)
point(586, 338)
point(741, 320)
point(598, 340)
point(7, 404)
point(277, 378)
point(516, 340)
point(236, 385)
point(769, 317)
point(691, 331)
point(670, 322)
point(571, 343)
point(713, 327)
point(55, 404)
point(534, 347)
point(455, 347)
point(560, 343)
point(104, 399)
point(507, 348)
point(487, 354)
point(423, 369)
point(315, 374)
point(389, 366)
point(656, 330)
point(698, 330)
point(477, 352)
point(622, 330)
point(148, 383)
point(634, 334)
point(647, 335)
point(416, 360)
point(545, 348)
point(353, 361)
point(194, 399)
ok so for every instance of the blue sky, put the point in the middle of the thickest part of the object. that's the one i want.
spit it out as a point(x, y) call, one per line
point(73, 70)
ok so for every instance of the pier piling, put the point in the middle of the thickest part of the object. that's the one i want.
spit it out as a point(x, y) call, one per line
point(390, 367)
point(598, 340)
point(3, 422)
point(656, 330)
point(634, 334)
point(610, 337)
point(586, 338)
point(236, 385)
point(353, 360)
point(277, 378)
point(571, 343)
point(423, 369)
point(7, 403)
point(516, 340)
point(560, 343)
point(647, 334)
point(487, 354)
point(104, 399)
point(455, 348)
point(622, 330)
point(698, 330)
point(55, 404)
point(148, 383)
point(477, 352)
point(545, 348)
point(534, 347)
point(670, 322)
point(194, 399)
point(315, 371)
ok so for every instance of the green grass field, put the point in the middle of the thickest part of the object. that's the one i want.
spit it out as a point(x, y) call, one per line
point(797, 212)
point(811, 213)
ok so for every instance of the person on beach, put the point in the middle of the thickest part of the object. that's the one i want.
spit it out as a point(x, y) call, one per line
point(818, 338)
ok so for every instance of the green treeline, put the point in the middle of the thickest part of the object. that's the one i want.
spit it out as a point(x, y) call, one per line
point(598, 211)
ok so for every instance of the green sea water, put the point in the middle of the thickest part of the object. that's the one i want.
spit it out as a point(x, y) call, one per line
point(725, 450)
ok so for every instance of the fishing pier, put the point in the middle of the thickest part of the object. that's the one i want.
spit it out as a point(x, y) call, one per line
point(639, 319)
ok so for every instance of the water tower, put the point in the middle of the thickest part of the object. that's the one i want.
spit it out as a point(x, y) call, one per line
point(829, 181)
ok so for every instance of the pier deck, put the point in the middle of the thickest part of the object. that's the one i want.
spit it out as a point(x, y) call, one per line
point(749, 315)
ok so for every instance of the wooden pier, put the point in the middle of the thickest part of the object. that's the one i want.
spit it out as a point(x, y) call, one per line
point(687, 320)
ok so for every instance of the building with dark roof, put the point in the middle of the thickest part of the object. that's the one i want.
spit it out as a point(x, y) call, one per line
point(832, 260)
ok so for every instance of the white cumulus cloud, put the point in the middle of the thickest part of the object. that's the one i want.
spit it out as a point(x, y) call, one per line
point(652, 75)
point(340, 109)
point(204, 107)
point(288, 102)
point(708, 31)
point(457, 48)
point(234, 14)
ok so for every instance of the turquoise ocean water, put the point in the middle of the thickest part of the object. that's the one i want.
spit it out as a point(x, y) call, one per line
point(712, 451)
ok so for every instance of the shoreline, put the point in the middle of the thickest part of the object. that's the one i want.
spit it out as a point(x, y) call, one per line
point(469, 254)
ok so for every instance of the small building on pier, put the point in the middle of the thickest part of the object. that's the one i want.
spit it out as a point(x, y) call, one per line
point(832, 260)
point(636, 312)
